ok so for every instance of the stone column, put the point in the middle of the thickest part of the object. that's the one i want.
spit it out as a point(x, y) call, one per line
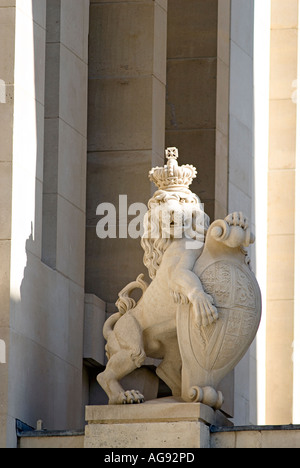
point(127, 81)
point(43, 153)
point(296, 355)
point(281, 213)
point(7, 37)
point(241, 172)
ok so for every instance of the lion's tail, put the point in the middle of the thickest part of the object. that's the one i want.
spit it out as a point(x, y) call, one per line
point(125, 303)
point(110, 323)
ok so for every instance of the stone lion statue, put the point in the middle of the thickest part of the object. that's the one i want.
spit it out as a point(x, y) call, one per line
point(175, 229)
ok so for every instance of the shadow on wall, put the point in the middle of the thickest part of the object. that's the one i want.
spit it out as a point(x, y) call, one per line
point(46, 348)
point(46, 310)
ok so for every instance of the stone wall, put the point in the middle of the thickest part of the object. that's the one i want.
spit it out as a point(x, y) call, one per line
point(252, 437)
point(256, 437)
point(7, 36)
point(241, 196)
point(281, 213)
point(43, 162)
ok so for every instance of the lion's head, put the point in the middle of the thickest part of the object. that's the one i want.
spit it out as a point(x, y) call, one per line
point(172, 215)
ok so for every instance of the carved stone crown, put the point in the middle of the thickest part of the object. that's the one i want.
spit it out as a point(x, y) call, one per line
point(172, 176)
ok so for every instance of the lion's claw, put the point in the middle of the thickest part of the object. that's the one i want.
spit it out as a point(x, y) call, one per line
point(131, 397)
point(238, 219)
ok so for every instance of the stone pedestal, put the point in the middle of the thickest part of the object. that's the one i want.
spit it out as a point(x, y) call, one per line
point(164, 423)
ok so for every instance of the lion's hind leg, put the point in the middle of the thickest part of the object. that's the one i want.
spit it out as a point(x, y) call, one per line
point(120, 365)
point(161, 342)
point(170, 371)
point(125, 353)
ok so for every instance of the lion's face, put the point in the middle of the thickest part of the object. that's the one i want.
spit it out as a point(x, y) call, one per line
point(175, 219)
point(171, 216)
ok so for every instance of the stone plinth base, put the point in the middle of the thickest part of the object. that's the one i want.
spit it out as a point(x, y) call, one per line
point(164, 423)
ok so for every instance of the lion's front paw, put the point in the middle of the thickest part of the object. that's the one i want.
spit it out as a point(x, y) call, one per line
point(204, 310)
point(237, 219)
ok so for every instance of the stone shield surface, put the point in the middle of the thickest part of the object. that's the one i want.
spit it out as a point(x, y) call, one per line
point(210, 353)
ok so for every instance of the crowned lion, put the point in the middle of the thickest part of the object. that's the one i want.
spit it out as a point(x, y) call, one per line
point(175, 227)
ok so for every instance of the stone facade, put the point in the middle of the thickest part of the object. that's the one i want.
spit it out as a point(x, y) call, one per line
point(281, 213)
point(43, 191)
point(91, 93)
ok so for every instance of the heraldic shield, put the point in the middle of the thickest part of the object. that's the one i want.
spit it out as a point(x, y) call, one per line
point(210, 353)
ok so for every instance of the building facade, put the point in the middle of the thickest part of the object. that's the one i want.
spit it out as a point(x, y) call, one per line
point(91, 93)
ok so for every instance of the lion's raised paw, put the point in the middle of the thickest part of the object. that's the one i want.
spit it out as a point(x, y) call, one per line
point(238, 219)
